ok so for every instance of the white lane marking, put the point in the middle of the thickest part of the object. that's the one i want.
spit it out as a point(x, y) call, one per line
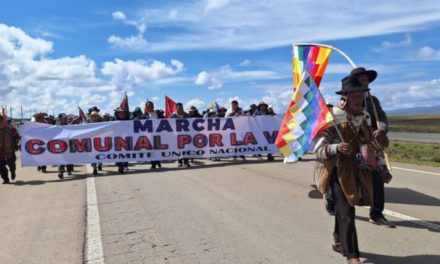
point(426, 172)
point(94, 253)
point(412, 220)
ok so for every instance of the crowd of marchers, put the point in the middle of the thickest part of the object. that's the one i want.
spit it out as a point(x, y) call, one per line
point(94, 115)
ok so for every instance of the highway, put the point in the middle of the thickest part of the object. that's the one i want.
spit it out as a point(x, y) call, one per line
point(214, 212)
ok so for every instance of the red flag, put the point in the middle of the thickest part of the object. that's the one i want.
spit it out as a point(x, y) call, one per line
point(124, 103)
point(82, 116)
point(170, 106)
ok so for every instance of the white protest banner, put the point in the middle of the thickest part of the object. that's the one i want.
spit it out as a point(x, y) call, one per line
point(147, 140)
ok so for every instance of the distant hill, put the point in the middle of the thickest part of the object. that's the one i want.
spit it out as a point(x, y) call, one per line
point(427, 110)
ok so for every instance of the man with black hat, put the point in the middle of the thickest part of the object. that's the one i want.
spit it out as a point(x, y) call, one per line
point(350, 184)
point(93, 109)
point(379, 124)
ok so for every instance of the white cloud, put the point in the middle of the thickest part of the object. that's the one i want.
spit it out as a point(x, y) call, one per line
point(29, 77)
point(245, 63)
point(255, 24)
point(391, 45)
point(216, 78)
point(125, 74)
point(118, 15)
point(132, 43)
point(211, 5)
point(206, 79)
point(195, 102)
point(428, 53)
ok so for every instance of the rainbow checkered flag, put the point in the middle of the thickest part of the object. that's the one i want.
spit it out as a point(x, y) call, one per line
point(306, 115)
point(214, 106)
point(310, 58)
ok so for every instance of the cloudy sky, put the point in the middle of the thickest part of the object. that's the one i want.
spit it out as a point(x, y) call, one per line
point(55, 55)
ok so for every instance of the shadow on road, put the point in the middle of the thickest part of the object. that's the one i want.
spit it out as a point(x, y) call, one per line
point(408, 196)
point(380, 259)
point(198, 164)
point(40, 182)
point(314, 194)
point(408, 224)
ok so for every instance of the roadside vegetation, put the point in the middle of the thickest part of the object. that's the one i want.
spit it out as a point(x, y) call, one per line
point(417, 124)
point(415, 153)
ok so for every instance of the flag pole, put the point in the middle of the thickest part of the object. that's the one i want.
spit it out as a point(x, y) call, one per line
point(330, 47)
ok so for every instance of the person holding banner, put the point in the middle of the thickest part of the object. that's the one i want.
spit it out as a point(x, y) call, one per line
point(263, 110)
point(121, 114)
point(235, 110)
point(62, 121)
point(350, 183)
point(94, 117)
point(150, 113)
point(180, 113)
point(40, 118)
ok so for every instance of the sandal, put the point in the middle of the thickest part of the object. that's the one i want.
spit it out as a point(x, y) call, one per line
point(337, 247)
point(354, 261)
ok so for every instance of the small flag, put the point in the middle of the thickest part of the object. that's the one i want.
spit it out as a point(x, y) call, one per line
point(82, 116)
point(214, 106)
point(124, 103)
point(306, 115)
point(170, 107)
point(314, 59)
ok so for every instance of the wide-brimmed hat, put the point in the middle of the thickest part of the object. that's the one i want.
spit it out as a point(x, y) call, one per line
point(351, 84)
point(94, 113)
point(263, 103)
point(93, 108)
point(372, 74)
point(119, 109)
point(137, 109)
point(193, 109)
point(40, 114)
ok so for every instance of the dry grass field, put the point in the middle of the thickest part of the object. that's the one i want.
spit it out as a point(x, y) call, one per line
point(417, 124)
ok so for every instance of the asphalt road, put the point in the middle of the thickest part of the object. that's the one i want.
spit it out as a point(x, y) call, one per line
point(415, 137)
point(214, 212)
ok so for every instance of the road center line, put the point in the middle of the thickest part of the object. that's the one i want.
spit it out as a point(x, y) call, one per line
point(93, 250)
point(412, 220)
point(420, 171)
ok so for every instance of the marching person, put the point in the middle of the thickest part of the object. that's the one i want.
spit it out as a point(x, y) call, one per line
point(121, 114)
point(180, 113)
point(8, 146)
point(349, 182)
point(62, 121)
point(380, 130)
point(137, 114)
point(263, 110)
point(40, 117)
point(94, 117)
point(194, 112)
point(235, 110)
point(150, 113)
